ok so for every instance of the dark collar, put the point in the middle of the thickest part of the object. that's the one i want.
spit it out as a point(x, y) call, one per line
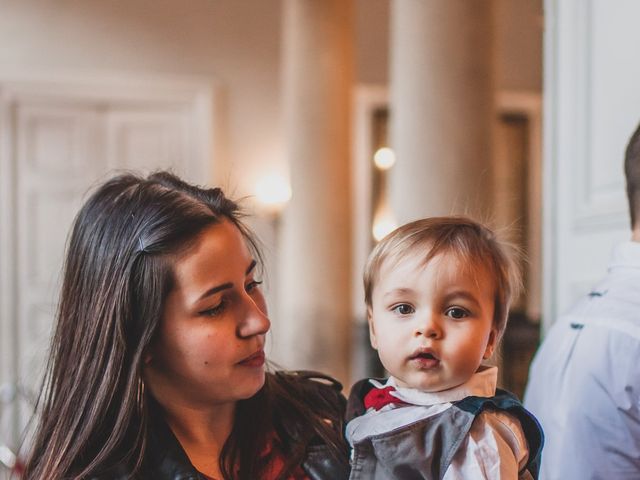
point(165, 456)
point(355, 404)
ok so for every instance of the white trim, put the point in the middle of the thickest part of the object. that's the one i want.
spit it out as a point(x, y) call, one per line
point(522, 102)
point(549, 166)
point(199, 93)
point(8, 356)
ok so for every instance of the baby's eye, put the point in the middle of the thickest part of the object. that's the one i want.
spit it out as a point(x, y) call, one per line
point(456, 312)
point(403, 309)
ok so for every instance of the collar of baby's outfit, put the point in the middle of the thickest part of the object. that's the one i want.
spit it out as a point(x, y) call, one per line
point(481, 384)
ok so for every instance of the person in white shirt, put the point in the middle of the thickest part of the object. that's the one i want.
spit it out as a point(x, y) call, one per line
point(584, 383)
point(437, 293)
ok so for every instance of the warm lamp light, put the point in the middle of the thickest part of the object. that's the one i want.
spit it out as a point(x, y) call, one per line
point(383, 225)
point(273, 192)
point(384, 158)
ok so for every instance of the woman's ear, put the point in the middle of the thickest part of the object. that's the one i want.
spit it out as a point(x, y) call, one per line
point(372, 329)
point(147, 357)
point(491, 344)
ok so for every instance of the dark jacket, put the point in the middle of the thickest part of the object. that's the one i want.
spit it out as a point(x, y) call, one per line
point(166, 460)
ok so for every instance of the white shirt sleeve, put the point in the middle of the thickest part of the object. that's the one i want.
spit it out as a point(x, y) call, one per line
point(494, 449)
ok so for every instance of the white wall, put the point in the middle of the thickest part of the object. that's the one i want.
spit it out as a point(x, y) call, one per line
point(237, 42)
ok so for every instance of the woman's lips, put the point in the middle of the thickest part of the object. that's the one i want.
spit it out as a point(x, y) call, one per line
point(255, 360)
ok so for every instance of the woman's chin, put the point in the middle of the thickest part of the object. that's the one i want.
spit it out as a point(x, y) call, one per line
point(253, 385)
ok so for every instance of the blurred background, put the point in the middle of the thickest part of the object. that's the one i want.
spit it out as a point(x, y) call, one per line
point(335, 120)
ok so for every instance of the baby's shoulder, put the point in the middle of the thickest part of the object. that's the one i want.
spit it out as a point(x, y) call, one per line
point(492, 424)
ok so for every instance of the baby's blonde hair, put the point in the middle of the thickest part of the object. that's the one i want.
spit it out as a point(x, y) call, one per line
point(473, 243)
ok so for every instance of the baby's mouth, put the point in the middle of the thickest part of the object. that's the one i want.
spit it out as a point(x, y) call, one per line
point(424, 355)
point(425, 359)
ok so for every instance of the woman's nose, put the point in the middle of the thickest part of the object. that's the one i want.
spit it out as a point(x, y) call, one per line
point(255, 321)
point(429, 327)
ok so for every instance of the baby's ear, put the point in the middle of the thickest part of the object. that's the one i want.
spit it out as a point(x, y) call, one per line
point(372, 330)
point(491, 344)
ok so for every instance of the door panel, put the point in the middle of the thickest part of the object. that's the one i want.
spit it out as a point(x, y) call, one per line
point(592, 105)
point(147, 140)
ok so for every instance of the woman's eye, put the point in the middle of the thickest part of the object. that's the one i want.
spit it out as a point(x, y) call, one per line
point(213, 311)
point(403, 309)
point(252, 285)
point(456, 312)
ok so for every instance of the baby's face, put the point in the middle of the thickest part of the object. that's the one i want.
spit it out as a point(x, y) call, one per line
point(432, 324)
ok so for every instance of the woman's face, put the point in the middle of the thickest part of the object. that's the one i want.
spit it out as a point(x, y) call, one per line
point(209, 348)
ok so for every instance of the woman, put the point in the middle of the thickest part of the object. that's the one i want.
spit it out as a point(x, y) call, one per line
point(157, 364)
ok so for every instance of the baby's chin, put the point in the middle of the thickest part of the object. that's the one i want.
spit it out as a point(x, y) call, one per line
point(428, 386)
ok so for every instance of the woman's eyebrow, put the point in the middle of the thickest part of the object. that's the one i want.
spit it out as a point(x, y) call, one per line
point(252, 265)
point(227, 285)
point(215, 289)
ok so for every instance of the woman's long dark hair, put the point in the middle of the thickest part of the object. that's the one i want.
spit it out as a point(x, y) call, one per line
point(94, 412)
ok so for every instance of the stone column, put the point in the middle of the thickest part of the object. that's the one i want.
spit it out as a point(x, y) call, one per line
point(313, 326)
point(441, 107)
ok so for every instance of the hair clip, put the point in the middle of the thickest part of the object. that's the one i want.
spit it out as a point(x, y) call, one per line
point(141, 247)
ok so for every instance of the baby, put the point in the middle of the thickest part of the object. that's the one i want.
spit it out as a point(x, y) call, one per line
point(437, 293)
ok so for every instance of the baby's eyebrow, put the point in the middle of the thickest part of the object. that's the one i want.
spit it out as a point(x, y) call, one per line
point(399, 291)
point(464, 294)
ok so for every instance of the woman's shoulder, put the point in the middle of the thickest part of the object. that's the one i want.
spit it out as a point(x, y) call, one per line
point(308, 414)
point(307, 397)
point(308, 378)
point(315, 388)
